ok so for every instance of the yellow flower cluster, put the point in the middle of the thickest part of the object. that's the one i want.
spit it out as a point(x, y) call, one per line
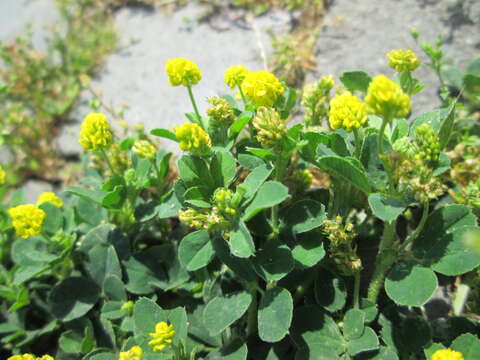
point(386, 98)
point(49, 197)
point(262, 88)
point(135, 353)
point(27, 220)
point(162, 337)
point(403, 60)
point(182, 72)
point(221, 113)
point(447, 354)
point(270, 128)
point(144, 149)
point(347, 112)
point(30, 357)
point(95, 133)
point(193, 138)
point(2, 176)
point(235, 75)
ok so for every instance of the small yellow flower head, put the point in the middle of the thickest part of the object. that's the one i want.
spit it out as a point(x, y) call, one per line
point(95, 133)
point(386, 98)
point(447, 354)
point(193, 138)
point(221, 113)
point(403, 60)
point(347, 112)
point(45, 357)
point(2, 176)
point(22, 357)
point(162, 337)
point(27, 220)
point(51, 198)
point(262, 88)
point(135, 353)
point(270, 128)
point(144, 149)
point(235, 75)
point(182, 72)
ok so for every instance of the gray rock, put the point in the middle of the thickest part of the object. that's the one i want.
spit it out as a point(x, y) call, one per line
point(358, 33)
point(33, 188)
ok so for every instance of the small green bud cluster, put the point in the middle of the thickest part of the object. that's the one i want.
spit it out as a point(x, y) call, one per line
point(406, 147)
point(315, 99)
point(341, 248)
point(270, 128)
point(428, 143)
point(220, 217)
point(415, 178)
point(221, 113)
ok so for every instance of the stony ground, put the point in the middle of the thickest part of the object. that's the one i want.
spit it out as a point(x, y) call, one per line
point(355, 34)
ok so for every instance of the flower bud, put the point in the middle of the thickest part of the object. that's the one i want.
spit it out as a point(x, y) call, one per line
point(270, 128)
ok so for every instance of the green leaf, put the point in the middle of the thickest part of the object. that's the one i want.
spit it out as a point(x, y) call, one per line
point(114, 288)
point(274, 261)
point(260, 152)
point(236, 350)
point(169, 208)
point(31, 251)
point(344, 169)
point(114, 199)
point(370, 310)
point(241, 267)
point(164, 133)
point(144, 270)
point(195, 250)
point(356, 80)
point(367, 342)
point(269, 194)
point(241, 242)
point(223, 168)
point(314, 332)
point(468, 345)
point(439, 223)
point(240, 123)
point(103, 261)
point(451, 255)
point(223, 311)
point(303, 216)
point(255, 179)
point(415, 333)
point(432, 348)
point(87, 194)
point(308, 251)
point(383, 354)
point(385, 207)
point(402, 284)
point(250, 162)
point(73, 297)
point(275, 314)
point(193, 171)
point(446, 126)
point(54, 220)
point(330, 291)
point(353, 324)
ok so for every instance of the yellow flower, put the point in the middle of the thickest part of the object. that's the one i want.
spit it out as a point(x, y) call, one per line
point(27, 220)
point(95, 133)
point(447, 354)
point(347, 112)
point(2, 176)
point(135, 353)
point(270, 128)
point(386, 98)
point(45, 357)
point(403, 60)
point(145, 149)
point(193, 138)
point(162, 337)
point(22, 357)
point(182, 72)
point(51, 198)
point(235, 75)
point(262, 87)
point(221, 113)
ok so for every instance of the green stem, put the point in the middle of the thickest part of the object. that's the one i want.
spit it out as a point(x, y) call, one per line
point(105, 157)
point(244, 99)
point(380, 136)
point(252, 311)
point(356, 291)
point(358, 144)
point(419, 228)
point(385, 258)
point(192, 99)
point(386, 120)
point(279, 170)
